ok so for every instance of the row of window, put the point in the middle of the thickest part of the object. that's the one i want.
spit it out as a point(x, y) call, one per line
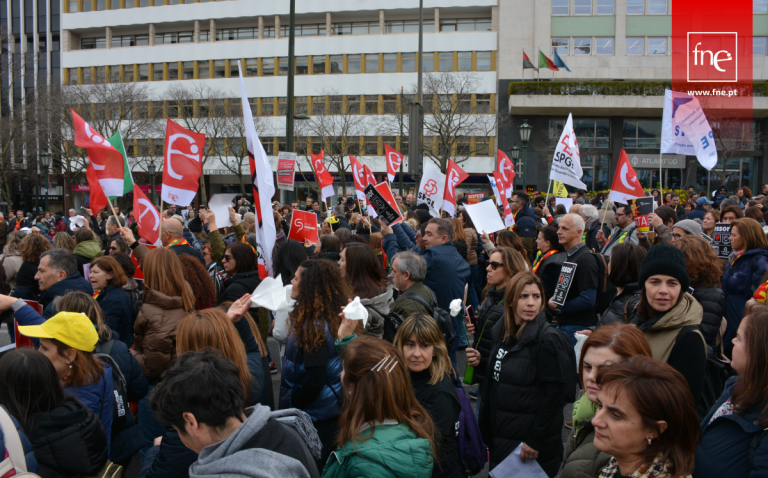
point(278, 106)
point(272, 66)
point(98, 5)
point(251, 33)
point(605, 46)
point(606, 7)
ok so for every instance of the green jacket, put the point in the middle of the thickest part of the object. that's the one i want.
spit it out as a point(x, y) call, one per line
point(392, 452)
point(580, 458)
point(407, 307)
point(88, 249)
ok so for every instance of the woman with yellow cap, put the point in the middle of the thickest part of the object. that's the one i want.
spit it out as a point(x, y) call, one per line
point(68, 340)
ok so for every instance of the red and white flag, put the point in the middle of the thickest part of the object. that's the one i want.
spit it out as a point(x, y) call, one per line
point(183, 164)
point(507, 169)
point(107, 161)
point(509, 218)
point(361, 179)
point(323, 176)
point(147, 216)
point(625, 185)
point(98, 200)
point(303, 226)
point(454, 175)
point(394, 160)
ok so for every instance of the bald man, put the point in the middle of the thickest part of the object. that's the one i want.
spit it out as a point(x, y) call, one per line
point(172, 237)
point(574, 209)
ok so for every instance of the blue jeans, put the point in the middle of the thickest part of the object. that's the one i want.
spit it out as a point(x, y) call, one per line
point(471, 291)
point(148, 426)
point(570, 331)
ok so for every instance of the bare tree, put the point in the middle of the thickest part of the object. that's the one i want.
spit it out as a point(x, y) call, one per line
point(733, 136)
point(236, 158)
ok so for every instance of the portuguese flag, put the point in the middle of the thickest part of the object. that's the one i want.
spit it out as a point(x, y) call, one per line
point(545, 62)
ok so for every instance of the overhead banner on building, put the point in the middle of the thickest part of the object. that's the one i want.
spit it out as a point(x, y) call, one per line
point(286, 165)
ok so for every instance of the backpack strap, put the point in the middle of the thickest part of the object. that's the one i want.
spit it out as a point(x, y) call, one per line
point(626, 317)
point(12, 443)
point(420, 300)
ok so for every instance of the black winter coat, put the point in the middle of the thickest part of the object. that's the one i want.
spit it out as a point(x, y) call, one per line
point(549, 273)
point(522, 399)
point(237, 286)
point(27, 287)
point(489, 313)
point(118, 312)
point(68, 441)
point(625, 301)
point(712, 300)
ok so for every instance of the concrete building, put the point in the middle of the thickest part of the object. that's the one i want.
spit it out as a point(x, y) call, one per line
point(619, 55)
point(365, 52)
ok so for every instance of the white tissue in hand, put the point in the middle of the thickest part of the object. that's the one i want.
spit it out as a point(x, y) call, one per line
point(455, 307)
point(76, 222)
point(269, 294)
point(287, 305)
point(356, 311)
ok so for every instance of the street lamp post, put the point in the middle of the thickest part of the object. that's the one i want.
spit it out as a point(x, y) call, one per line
point(45, 162)
point(514, 153)
point(525, 135)
point(151, 171)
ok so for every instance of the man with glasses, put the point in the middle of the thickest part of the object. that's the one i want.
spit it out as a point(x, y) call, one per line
point(525, 221)
point(623, 233)
point(662, 220)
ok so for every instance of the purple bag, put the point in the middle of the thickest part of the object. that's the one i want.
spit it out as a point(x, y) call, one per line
point(473, 452)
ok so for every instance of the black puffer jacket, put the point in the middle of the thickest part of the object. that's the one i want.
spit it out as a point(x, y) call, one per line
point(68, 441)
point(238, 285)
point(488, 314)
point(712, 300)
point(522, 399)
point(626, 300)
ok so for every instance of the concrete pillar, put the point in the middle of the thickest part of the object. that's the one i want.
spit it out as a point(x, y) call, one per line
point(437, 20)
point(277, 26)
point(620, 42)
point(212, 32)
point(109, 38)
point(151, 34)
point(382, 25)
point(196, 34)
point(261, 27)
point(328, 24)
point(495, 19)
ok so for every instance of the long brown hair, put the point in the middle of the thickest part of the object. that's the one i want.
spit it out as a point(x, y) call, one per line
point(212, 328)
point(377, 395)
point(515, 286)
point(752, 386)
point(364, 275)
point(511, 260)
point(109, 265)
point(458, 230)
point(322, 294)
point(33, 246)
point(751, 233)
point(704, 269)
point(623, 340)
point(426, 331)
point(658, 392)
point(251, 325)
point(511, 239)
point(202, 284)
point(84, 370)
point(163, 273)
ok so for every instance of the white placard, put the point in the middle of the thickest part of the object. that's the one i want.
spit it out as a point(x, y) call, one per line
point(485, 216)
point(567, 202)
point(220, 204)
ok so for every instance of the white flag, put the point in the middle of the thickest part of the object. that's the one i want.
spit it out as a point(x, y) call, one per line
point(566, 164)
point(263, 185)
point(432, 189)
point(685, 129)
point(495, 190)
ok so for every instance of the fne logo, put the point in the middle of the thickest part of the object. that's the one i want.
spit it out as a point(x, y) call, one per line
point(712, 57)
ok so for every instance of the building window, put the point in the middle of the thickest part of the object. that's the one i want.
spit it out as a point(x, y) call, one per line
point(189, 70)
point(337, 64)
point(318, 105)
point(657, 7)
point(267, 106)
point(114, 74)
point(353, 64)
point(409, 26)
point(482, 103)
point(390, 62)
point(595, 171)
point(582, 46)
point(173, 71)
point(758, 6)
point(560, 7)
point(560, 45)
point(336, 104)
point(92, 43)
point(408, 62)
point(445, 60)
point(371, 104)
point(593, 133)
point(355, 28)
point(318, 65)
point(483, 61)
point(205, 36)
point(268, 145)
point(429, 61)
point(604, 46)
point(465, 60)
point(582, 7)
point(268, 66)
point(482, 146)
point(269, 31)
point(604, 7)
point(371, 145)
point(635, 7)
point(234, 72)
point(642, 134)
point(759, 45)
point(389, 104)
point(283, 66)
point(157, 72)
point(353, 104)
point(465, 25)
point(219, 69)
point(372, 63)
point(635, 45)
point(657, 45)
point(282, 106)
point(301, 105)
point(144, 72)
point(302, 65)
point(128, 74)
point(313, 30)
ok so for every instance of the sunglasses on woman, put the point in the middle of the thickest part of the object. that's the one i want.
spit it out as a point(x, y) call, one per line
point(495, 265)
point(226, 257)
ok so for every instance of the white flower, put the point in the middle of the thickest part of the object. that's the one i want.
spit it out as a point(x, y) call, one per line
point(455, 307)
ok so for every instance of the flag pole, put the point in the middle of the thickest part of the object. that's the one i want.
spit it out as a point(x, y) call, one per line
point(661, 178)
point(111, 208)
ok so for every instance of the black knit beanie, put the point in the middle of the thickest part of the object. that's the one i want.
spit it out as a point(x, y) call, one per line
point(666, 260)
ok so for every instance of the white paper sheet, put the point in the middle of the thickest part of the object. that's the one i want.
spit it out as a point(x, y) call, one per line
point(485, 216)
point(269, 294)
point(567, 202)
point(75, 222)
point(220, 204)
point(514, 466)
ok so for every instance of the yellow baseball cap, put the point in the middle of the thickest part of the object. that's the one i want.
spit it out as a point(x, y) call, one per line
point(70, 328)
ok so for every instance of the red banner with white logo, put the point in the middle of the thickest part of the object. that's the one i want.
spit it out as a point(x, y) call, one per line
point(394, 160)
point(106, 160)
point(182, 164)
point(98, 200)
point(146, 215)
point(361, 180)
point(303, 226)
point(323, 176)
point(625, 185)
point(454, 175)
point(509, 218)
point(507, 169)
point(139, 274)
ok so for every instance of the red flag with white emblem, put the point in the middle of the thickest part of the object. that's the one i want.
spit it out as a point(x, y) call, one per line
point(509, 218)
point(625, 183)
point(147, 216)
point(107, 161)
point(507, 169)
point(394, 160)
point(182, 163)
point(323, 176)
point(454, 175)
point(98, 200)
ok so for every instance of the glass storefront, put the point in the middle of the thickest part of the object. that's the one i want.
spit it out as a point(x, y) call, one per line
point(738, 172)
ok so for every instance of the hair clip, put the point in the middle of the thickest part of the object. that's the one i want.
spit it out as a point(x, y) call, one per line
point(387, 363)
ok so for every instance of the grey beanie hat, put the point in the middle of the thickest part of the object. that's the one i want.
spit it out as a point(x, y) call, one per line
point(690, 226)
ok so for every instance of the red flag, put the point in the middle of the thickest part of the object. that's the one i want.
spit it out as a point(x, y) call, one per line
point(303, 226)
point(98, 199)
point(509, 218)
point(371, 179)
point(139, 274)
point(454, 175)
point(183, 164)
point(394, 160)
point(323, 176)
point(361, 179)
point(625, 183)
point(146, 216)
point(507, 170)
point(107, 161)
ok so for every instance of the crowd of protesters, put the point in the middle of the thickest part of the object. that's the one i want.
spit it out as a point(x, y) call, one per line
point(129, 352)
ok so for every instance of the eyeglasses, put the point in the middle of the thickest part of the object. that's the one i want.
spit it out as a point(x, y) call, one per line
point(226, 258)
point(678, 236)
point(495, 265)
